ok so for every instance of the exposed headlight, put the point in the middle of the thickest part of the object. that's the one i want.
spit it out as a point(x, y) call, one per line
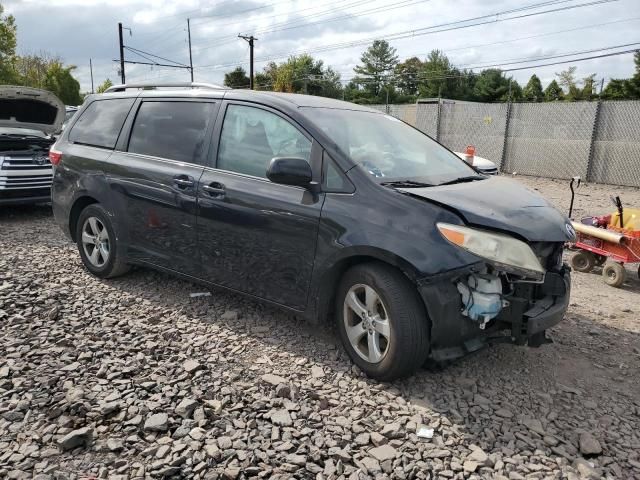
point(501, 250)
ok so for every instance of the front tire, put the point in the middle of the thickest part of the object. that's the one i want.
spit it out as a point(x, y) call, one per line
point(382, 322)
point(583, 261)
point(98, 244)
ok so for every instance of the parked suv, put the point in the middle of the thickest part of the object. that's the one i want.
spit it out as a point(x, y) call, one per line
point(28, 118)
point(326, 208)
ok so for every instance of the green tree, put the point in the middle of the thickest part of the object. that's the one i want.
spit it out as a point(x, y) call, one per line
point(553, 92)
point(60, 81)
point(237, 78)
point(491, 86)
point(33, 68)
point(408, 75)
point(616, 89)
point(567, 80)
point(633, 84)
point(377, 65)
point(104, 86)
point(8, 74)
point(588, 89)
point(301, 74)
point(533, 90)
point(437, 78)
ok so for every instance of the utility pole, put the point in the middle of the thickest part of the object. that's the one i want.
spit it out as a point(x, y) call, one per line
point(250, 39)
point(122, 77)
point(91, 70)
point(190, 57)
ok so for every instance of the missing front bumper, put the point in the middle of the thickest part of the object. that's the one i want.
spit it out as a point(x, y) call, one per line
point(531, 310)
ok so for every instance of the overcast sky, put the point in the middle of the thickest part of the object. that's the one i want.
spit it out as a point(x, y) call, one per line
point(77, 30)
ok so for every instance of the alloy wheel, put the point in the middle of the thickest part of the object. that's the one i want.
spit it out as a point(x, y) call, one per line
point(367, 323)
point(95, 241)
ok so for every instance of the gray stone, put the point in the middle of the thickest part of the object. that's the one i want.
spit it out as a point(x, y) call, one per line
point(186, 407)
point(589, 445)
point(272, 379)
point(281, 418)
point(383, 452)
point(192, 366)
point(77, 438)
point(158, 422)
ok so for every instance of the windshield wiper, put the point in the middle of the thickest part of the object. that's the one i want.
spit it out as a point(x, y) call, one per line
point(470, 178)
point(405, 184)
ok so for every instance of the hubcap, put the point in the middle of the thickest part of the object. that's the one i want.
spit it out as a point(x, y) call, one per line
point(95, 241)
point(366, 323)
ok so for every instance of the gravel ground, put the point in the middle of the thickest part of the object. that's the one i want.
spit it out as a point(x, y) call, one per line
point(132, 378)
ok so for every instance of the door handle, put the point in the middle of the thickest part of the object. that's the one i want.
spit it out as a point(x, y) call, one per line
point(214, 189)
point(183, 181)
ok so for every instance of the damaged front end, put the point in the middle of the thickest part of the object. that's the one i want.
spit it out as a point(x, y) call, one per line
point(491, 301)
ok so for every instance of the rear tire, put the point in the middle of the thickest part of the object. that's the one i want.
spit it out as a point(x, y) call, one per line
point(583, 261)
point(614, 274)
point(389, 337)
point(98, 243)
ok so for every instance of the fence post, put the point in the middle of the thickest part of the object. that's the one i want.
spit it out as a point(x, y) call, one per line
point(594, 134)
point(506, 137)
point(438, 120)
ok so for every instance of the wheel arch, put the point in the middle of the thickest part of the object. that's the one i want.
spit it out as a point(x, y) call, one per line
point(325, 291)
point(79, 204)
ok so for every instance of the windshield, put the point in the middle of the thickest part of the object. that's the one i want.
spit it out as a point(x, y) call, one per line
point(389, 149)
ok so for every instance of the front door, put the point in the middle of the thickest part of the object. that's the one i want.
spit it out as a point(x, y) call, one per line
point(256, 236)
point(154, 179)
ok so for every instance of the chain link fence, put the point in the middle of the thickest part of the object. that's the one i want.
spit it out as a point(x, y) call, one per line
point(482, 125)
point(550, 139)
point(598, 141)
point(616, 149)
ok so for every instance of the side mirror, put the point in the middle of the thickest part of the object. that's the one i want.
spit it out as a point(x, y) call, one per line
point(290, 171)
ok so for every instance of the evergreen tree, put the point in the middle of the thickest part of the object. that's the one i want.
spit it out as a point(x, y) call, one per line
point(553, 92)
point(491, 86)
point(533, 90)
point(378, 63)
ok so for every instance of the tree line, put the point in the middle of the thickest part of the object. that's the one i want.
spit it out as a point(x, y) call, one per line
point(381, 78)
point(39, 70)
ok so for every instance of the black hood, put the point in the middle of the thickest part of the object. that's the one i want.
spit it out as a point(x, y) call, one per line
point(500, 204)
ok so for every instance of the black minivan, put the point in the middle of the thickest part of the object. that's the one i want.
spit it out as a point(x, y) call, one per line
point(326, 208)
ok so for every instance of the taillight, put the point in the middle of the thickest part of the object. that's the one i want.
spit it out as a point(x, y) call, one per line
point(55, 157)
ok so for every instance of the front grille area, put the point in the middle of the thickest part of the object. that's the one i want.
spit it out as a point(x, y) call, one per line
point(23, 172)
point(549, 254)
point(24, 161)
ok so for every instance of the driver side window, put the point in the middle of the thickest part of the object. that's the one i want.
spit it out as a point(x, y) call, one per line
point(251, 137)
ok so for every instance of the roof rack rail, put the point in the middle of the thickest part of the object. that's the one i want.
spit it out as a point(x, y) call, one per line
point(150, 86)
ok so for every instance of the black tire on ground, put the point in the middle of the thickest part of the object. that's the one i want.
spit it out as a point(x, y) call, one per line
point(115, 264)
point(614, 274)
point(408, 345)
point(583, 261)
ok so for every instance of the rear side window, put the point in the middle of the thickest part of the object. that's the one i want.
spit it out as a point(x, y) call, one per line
point(173, 130)
point(101, 122)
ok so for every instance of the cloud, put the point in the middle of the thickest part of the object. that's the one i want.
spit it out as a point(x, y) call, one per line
point(77, 30)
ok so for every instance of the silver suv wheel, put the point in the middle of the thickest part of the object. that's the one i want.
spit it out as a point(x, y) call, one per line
point(366, 323)
point(95, 241)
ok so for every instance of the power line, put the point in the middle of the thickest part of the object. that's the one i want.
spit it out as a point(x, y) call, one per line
point(302, 22)
point(135, 50)
point(494, 18)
